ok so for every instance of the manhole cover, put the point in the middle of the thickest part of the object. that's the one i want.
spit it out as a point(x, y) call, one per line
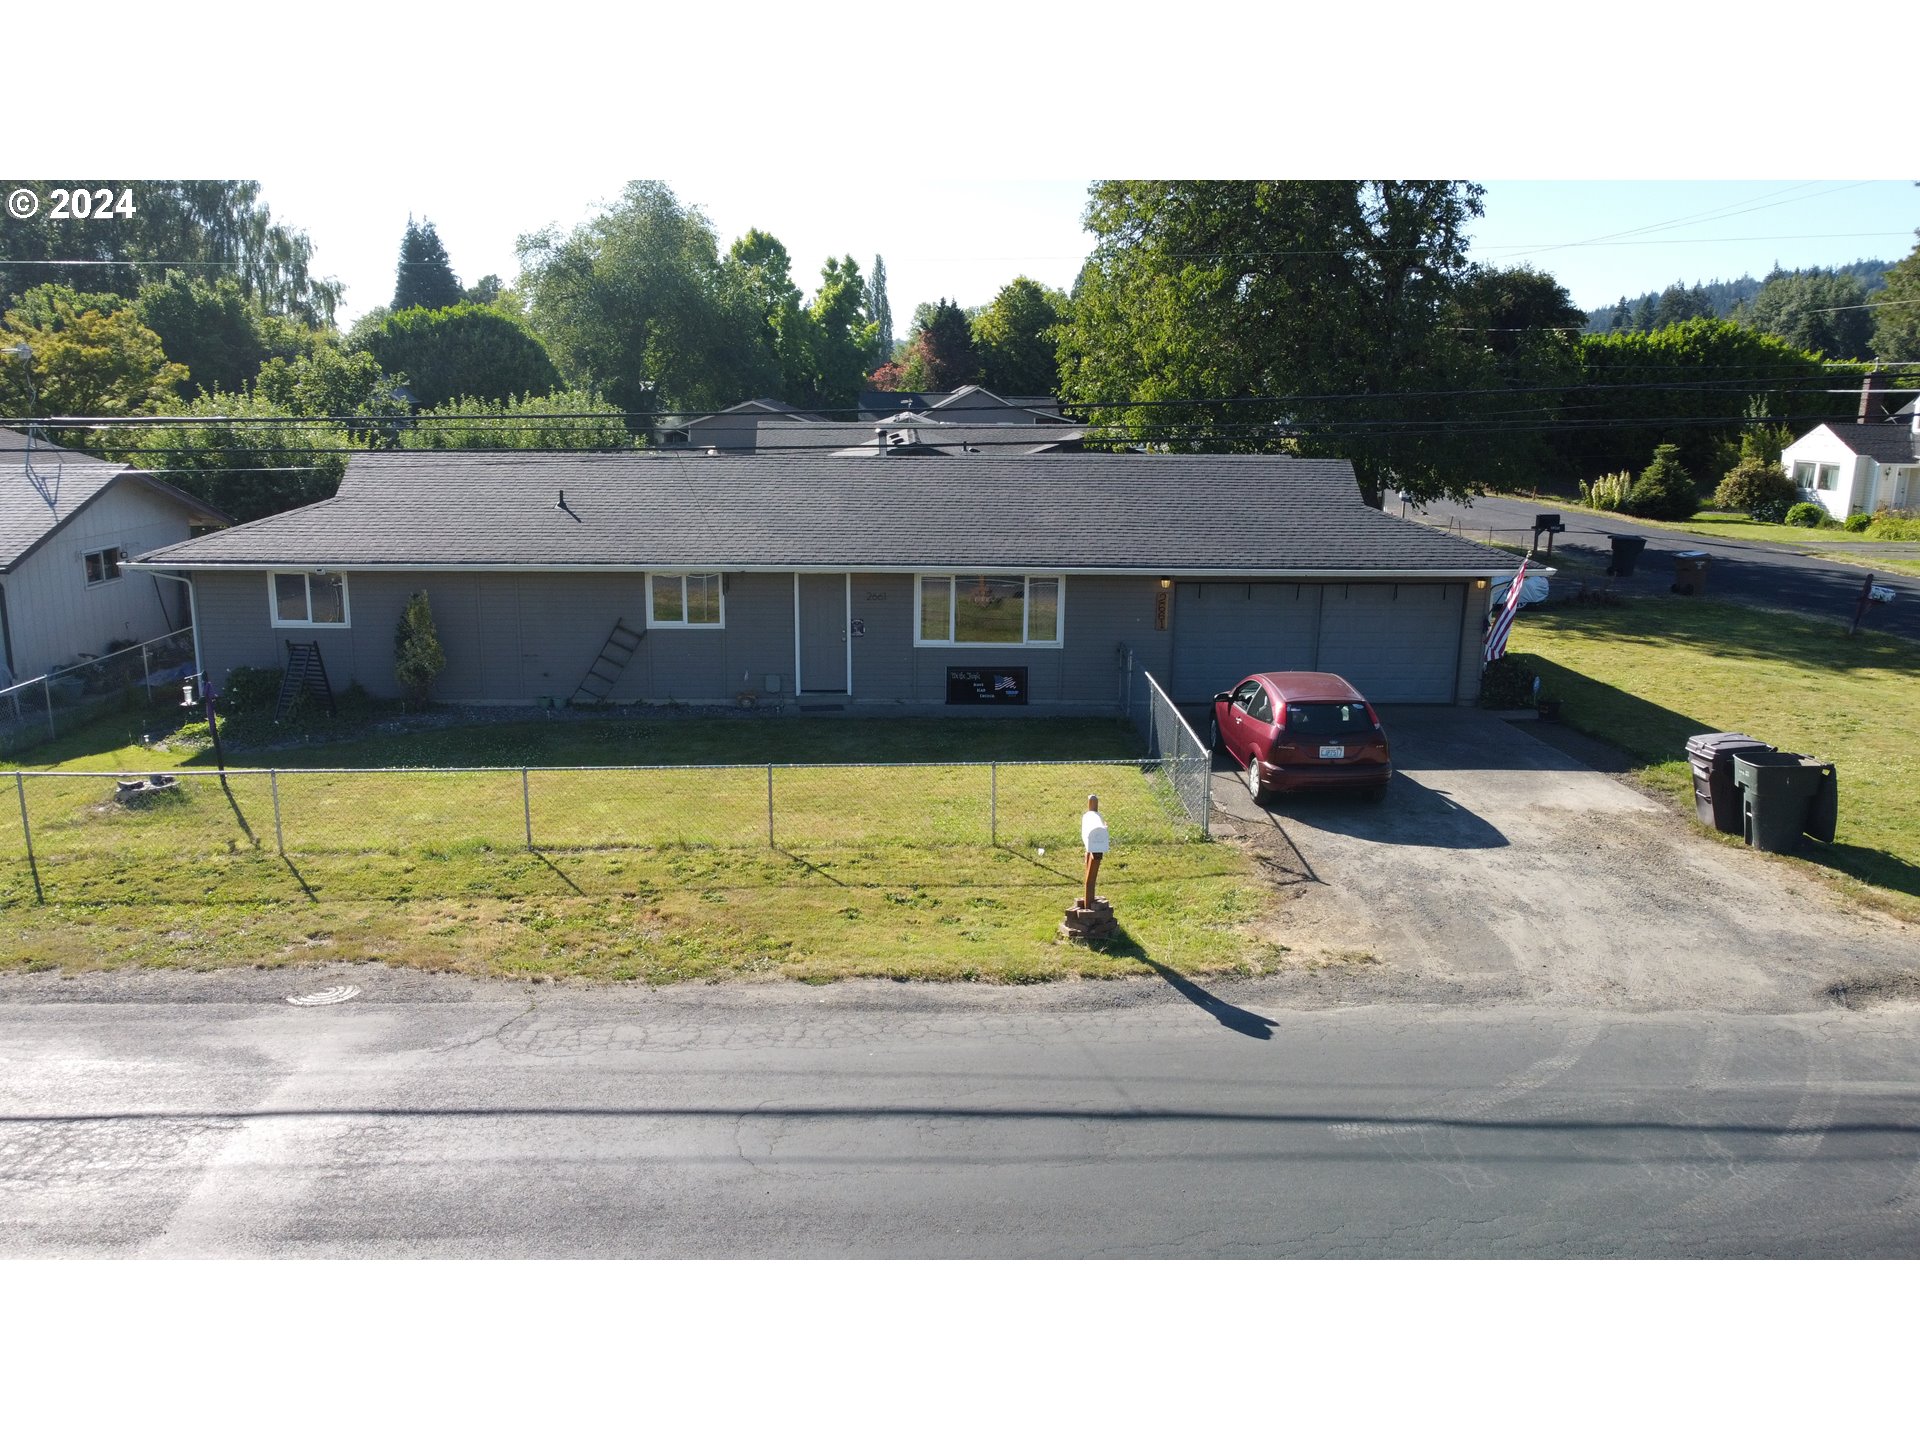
point(326, 997)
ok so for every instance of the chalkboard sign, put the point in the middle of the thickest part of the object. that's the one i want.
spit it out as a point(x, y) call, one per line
point(987, 687)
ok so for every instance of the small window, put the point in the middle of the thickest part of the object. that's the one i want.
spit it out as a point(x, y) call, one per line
point(1803, 474)
point(103, 565)
point(301, 598)
point(686, 602)
point(1829, 477)
point(1260, 706)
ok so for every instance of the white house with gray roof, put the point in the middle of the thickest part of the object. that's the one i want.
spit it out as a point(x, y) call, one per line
point(65, 590)
point(846, 583)
point(1858, 469)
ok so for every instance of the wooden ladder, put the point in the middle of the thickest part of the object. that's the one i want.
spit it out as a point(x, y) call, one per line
point(306, 674)
point(605, 672)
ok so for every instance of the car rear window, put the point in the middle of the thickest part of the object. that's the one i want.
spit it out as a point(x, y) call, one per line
point(1326, 717)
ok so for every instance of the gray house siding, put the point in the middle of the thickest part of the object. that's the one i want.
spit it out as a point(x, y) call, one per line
point(513, 639)
point(54, 616)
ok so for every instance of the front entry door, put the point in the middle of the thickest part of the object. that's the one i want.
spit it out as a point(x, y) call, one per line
point(821, 602)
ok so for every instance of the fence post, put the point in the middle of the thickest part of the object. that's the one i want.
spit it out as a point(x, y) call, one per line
point(279, 840)
point(26, 829)
point(993, 802)
point(770, 844)
point(146, 676)
point(46, 684)
point(526, 804)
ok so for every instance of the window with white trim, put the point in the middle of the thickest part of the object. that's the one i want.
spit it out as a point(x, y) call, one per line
point(687, 601)
point(986, 609)
point(304, 599)
point(104, 565)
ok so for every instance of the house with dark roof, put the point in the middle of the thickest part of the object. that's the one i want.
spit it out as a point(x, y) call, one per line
point(1858, 469)
point(68, 524)
point(844, 583)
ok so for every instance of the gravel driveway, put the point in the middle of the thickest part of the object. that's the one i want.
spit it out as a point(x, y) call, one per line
point(1501, 868)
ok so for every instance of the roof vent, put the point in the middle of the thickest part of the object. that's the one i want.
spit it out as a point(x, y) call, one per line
point(561, 503)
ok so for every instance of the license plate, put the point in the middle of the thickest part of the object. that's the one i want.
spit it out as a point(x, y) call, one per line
point(1333, 752)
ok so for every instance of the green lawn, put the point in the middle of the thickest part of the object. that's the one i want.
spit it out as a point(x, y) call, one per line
point(1648, 675)
point(918, 867)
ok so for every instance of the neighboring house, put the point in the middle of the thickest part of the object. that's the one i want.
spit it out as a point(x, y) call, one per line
point(969, 405)
point(65, 593)
point(729, 429)
point(967, 421)
point(862, 586)
point(1858, 469)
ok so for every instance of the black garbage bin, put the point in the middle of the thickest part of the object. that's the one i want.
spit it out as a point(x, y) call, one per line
point(1785, 796)
point(1626, 553)
point(1716, 799)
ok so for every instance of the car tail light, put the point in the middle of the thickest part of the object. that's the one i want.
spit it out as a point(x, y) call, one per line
point(1371, 716)
point(1280, 717)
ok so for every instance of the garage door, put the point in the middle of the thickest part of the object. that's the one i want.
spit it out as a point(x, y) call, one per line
point(1224, 632)
point(1394, 642)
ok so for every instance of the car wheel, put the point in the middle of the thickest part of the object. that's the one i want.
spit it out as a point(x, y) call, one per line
point(1213, 734)
point(1255, 787)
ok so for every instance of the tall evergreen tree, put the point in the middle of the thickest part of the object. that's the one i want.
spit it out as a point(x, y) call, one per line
point(880, 312)
point(425, 279)
point(1622, 316)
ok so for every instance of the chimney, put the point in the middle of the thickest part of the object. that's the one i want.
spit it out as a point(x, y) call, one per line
point(1868, 389)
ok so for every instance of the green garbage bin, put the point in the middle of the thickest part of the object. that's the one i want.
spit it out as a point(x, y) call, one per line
point(1784, 796)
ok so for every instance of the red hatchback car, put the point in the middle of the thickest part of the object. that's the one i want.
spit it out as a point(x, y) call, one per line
point(1302, 730)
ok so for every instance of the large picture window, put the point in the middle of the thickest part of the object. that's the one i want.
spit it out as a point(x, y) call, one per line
point(686, 602)
point(988, 610)
point(305, 598)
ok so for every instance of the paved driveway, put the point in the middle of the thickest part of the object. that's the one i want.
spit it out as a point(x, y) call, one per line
point(1501, 868)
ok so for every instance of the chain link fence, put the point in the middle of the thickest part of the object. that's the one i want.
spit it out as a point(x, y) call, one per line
point(95, 837)
point(42, 709)
point(1186, 762)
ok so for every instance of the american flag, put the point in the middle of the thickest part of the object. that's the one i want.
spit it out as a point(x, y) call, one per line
point(1503, 622)
point(1005, 682)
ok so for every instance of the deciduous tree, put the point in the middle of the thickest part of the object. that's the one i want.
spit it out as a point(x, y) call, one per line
point(1227, 314)
point(215, 226)
point(1016, 336)
point(462, 350)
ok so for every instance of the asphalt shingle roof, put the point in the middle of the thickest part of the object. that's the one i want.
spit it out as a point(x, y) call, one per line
point(25, 518)
point(1221, 514)
point(1889, 443)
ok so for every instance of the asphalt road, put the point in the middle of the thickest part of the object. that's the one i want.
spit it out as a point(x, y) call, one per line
point(1750, 571)
point(205, 1116)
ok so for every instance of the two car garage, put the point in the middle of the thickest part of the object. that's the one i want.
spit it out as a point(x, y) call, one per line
point(1398, 642)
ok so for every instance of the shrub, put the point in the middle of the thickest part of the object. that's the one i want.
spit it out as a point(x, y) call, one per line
point(417, 656)
point(1758, 486)
point(1857, 523)
point(1609, 492)
point(1507, 684)
point(1889, 526)
point(1808, 514)
point(249, 689)
point(1664, 490)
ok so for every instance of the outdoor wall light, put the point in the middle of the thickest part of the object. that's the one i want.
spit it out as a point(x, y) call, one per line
point(1165, 583)
point(1481, 583)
